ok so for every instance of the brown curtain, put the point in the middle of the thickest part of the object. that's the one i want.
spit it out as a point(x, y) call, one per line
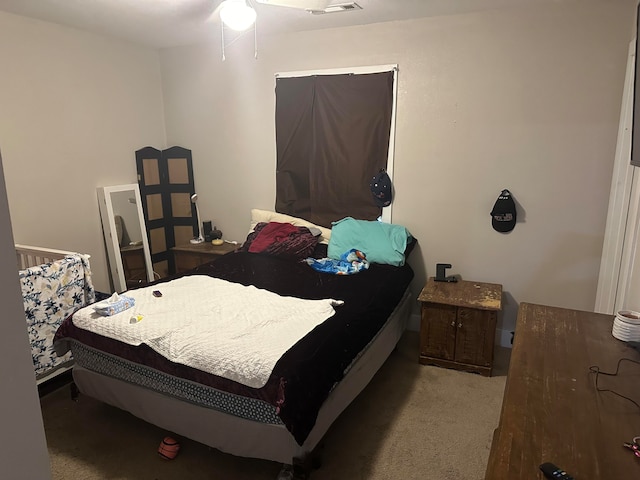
point(332, 136)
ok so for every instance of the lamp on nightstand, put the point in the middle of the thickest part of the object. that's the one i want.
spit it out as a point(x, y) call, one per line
point(199, 238)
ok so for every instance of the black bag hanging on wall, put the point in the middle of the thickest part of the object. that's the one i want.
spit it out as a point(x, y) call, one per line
point(503, 215)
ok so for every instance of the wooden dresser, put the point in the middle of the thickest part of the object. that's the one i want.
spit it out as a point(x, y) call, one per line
point(551, 410)
point(458, 324)
point(191, 255)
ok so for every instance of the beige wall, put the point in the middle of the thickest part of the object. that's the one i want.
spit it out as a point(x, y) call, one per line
point(524, 98)
point(74, 107)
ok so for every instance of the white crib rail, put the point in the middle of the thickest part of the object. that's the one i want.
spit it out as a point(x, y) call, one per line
point(30, 256)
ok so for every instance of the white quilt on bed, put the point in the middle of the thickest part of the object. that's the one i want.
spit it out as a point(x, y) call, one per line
point(220, 327)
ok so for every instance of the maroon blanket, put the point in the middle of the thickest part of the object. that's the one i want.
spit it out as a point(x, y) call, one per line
point(306, 373)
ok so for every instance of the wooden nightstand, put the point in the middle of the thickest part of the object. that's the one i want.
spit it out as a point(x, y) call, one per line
point(458, 324)
point(190, 256)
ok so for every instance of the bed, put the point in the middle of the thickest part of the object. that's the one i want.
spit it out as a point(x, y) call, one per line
point(54, 284)
point(311, 383)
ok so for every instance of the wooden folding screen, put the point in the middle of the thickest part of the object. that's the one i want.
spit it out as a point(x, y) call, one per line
point(165, 178)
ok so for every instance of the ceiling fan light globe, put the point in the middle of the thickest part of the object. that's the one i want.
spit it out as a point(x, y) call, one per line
point(237, 15)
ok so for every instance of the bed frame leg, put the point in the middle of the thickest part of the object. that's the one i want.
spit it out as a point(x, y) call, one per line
point(315, 458)
point(293, 472)
point(75, 392)
point(301, 467)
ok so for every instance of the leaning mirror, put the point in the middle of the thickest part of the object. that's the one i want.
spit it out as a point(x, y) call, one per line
point(125, 236)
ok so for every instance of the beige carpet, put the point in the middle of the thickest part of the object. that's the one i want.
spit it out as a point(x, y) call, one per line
point(411, 422)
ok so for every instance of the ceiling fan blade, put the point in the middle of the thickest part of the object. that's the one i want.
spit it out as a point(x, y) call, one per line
point(195, 10)
point(216, 11)
point(299, 4)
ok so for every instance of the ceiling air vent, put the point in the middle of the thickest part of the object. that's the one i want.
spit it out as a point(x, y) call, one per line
point(338, 7)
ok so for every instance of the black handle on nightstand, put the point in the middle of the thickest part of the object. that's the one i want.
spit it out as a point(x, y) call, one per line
point(441, 276)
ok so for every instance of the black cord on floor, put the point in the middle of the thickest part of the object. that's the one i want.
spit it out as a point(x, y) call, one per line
point(596, 369)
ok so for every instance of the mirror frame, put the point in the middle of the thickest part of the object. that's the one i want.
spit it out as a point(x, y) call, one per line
point(111, 238)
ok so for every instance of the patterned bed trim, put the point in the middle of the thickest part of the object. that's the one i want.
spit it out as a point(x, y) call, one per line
point(202, 395)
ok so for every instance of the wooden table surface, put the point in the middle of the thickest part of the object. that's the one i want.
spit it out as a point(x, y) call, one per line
point(551, 410)
point(463, 293)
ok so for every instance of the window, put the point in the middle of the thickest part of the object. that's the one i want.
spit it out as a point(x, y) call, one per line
point(334, 132)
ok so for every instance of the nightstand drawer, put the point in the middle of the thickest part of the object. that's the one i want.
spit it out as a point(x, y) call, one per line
point(188, 257)
point(186, 261)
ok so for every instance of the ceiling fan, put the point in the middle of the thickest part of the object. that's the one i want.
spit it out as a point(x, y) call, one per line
point(308, 5)
point(240, 15)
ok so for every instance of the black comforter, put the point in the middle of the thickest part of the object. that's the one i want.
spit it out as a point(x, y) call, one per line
point(306, 373)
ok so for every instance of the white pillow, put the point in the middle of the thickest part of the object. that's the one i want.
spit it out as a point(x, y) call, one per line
point(267, 216)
